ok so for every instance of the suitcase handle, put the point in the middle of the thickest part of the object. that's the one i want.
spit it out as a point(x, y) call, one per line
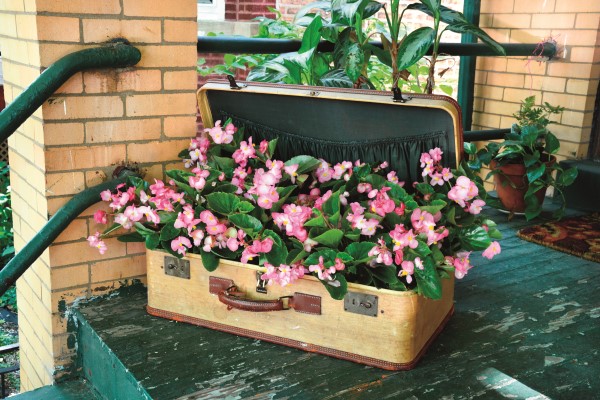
point(300, 302)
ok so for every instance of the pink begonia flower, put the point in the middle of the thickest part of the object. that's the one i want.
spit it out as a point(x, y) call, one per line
point(219, 135)
point(447, 174)
point(323, 272)
point(244, 153)
point(100, 217)
point(215, 229)
point(197, 237)
point(181, 244)
point(95, 241)
point(408, 268)
point(339, 265)
point(461, 263)
point(436, 179)
point(476, 205)
point(398, 257)
point(324, 173)
point(344, 198)
point(106, 195)
point(291, 171)
point(208, 218)
point(463, 191)
point(263, 147)
point(370, 226)
point(284, 274)
point(122, 220)
point(400, 209)
point(492, 250)
point(150, 214)
point(419, 263)
point(257, 247)
point(426, 160)
point(382, 204)
point(364, 188)
point(321, 200)
point(391, 176)
point(382, 253)
point(409, 239)
point(341, 168)
point(436, 154)
point(420, 219)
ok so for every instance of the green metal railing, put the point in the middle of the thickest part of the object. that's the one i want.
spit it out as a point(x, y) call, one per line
point(44, 238)
point(114, 55)
point(118, 54)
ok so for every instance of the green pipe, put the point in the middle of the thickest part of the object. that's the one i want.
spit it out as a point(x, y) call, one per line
point(237, 44)
point(116, 55)
point(59, 221)
point(489, 134)
point(466, 74)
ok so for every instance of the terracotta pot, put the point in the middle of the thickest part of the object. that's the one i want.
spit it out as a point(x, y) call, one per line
point(513, 198)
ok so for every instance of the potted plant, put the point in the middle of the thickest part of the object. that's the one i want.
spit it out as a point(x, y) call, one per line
point(524, 164)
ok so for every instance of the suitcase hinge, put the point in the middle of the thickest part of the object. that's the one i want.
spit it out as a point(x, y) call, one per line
point(398, 97)
point(233, 84)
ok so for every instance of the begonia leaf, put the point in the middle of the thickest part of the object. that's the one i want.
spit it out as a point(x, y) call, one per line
point(169, 232)
point(337, 292)
point(474, 238)
point(305, 163)
point(278, 254)
point(331, 238)
point(131, 237)
point(360, 251)
point(250, 225)
point(210, 261)
point(223, 203)
point(428, 280)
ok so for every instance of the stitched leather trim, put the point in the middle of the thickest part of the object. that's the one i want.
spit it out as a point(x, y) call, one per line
point(301, 345)
point(306, 303)
point(217, 285)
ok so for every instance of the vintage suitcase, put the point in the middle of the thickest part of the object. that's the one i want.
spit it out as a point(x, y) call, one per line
point(381, 328)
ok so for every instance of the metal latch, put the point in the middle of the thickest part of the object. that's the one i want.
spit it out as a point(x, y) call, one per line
point(398, 97)
point(261, 285)
point(233, 84)
point(177, 267)
point(360, 303)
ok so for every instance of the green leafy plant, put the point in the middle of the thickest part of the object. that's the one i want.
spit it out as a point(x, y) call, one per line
point(349, 222)
point(7, 249)
point(529, 143)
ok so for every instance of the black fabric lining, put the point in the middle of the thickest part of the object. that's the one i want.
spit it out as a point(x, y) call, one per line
point(403, 153)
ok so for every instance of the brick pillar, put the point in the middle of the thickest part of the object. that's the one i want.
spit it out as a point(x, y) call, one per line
point(96, 121)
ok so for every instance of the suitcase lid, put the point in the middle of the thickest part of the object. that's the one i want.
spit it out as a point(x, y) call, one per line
point(339, 124)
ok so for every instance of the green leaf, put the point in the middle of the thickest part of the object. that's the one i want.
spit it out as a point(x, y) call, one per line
point(179, 175)
point(432, 5)
point(360, 251)
point(131, 237)
point(336, 78)
point(247, 223)
point(414, 47)
point(531, 159)
point(305, 163)
point(245, 207)
point(223, 203)
point(144, 231)
point(568, 176)
point(317, 221)
point(169, 232)
point(210, 261)
point(470, 148)
point(355, 59)
point(272, 146)
point(535, 173)
point(340, 291)
point(279, 252)
point(152, 241)
point(474, 238)
point(225, 164)
point(345, 257)
point(295, 255)
point(447, 89)
point(428, 281)
point(425, 188)
point(552, 143)
point(529, 134)
point(387, 274)
point(330, 238)
point(312, 35)
point(167, 217)
point(435, 206)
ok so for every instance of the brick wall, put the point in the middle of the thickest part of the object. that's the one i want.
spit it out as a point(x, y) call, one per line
point(571, 80)
point(96, 121)
point(244, 10)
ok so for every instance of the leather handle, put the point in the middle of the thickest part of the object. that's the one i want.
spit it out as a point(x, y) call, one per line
point(234, 299)
point(229, 295)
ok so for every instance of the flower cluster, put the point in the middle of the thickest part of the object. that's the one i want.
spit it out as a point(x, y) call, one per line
point(344, 222)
